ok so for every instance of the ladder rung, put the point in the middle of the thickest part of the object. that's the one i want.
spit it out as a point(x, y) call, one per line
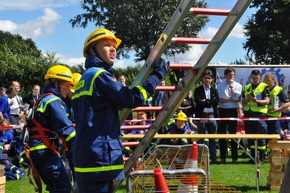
point(165, 88)
point(186, 40)
point(146, 108)
point(181, 66)
point(133, 127)
point(130, 143)
point(138, 120)
point(207, 11)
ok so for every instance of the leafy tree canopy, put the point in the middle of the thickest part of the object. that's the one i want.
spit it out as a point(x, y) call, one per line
point(20, 60)
point(139, 23)
point(268, 32)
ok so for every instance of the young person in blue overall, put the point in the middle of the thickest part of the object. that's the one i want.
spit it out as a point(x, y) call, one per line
point(51, 132)
point(96, 102)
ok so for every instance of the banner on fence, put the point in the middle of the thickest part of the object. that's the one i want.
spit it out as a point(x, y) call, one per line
point(243, 75)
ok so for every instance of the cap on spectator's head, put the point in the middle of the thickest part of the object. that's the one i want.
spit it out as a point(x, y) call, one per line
point(2, 89)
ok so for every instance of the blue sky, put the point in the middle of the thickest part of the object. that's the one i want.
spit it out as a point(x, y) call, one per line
point(46, 22)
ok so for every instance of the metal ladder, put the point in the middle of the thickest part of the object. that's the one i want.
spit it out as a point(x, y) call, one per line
point(191, 76)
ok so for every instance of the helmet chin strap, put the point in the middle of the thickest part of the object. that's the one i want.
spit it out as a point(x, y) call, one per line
point(94, 50)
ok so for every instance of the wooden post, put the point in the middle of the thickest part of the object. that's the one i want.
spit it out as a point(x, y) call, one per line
point(2, 179)
point(278, 160)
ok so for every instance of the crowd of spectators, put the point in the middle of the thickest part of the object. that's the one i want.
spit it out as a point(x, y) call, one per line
point(261, 97)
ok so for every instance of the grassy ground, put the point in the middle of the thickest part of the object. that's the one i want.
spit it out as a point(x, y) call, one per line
point(241, 176)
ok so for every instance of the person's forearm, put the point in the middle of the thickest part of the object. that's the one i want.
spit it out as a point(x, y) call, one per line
point(263, 102)
point(283, 106)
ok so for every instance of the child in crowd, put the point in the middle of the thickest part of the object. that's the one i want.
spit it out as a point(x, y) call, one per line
point(180, 126)
point(6, 137)
point(142, 117)
point(11, 171)
point(285, 124)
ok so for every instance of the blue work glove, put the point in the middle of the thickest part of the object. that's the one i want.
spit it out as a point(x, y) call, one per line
point(160, 68)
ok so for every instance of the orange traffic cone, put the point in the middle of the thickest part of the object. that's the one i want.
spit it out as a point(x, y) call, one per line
point(160, 183)
point(190, 183)
point(192, 160)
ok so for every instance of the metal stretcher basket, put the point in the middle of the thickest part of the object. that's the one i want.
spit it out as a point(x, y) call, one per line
point(172, 159)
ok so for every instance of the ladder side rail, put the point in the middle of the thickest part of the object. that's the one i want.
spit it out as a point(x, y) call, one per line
point(180, 13)
point(223, 32)
point(227, 26)
point(186, 84)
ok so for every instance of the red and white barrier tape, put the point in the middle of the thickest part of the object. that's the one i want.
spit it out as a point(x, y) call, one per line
point(222, 119)
point(243, 119)
point(11, 127)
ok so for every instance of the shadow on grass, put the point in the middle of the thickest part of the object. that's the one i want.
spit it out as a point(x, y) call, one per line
point(247, 189)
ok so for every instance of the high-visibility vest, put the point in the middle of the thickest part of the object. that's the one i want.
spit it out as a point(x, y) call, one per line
point(273, 95)
point(251, 105)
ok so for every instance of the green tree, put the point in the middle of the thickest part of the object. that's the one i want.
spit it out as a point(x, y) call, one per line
point(139, 23)
point(21, 60)
point(268, 32)
point(77, 68)
point(238, 61)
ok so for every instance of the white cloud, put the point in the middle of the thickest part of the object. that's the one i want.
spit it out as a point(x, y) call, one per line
point(208, 33)
point(125, 63)
point(35, 4)
point(70, 60)
point(237, 32)
point(119, 64)
point(7, 25)
point(41, 26)
point(190, 56)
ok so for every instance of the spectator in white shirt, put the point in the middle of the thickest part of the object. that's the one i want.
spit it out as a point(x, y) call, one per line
point(229, 97)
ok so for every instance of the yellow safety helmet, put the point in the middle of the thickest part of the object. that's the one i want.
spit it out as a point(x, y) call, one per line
point(59, 72)
point(76, 78)
point(181, 116)
point(99, 34)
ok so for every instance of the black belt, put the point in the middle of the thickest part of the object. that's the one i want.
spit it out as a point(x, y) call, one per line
point(228, 109)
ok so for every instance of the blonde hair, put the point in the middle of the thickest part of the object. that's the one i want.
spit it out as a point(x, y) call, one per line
point(4, 122)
